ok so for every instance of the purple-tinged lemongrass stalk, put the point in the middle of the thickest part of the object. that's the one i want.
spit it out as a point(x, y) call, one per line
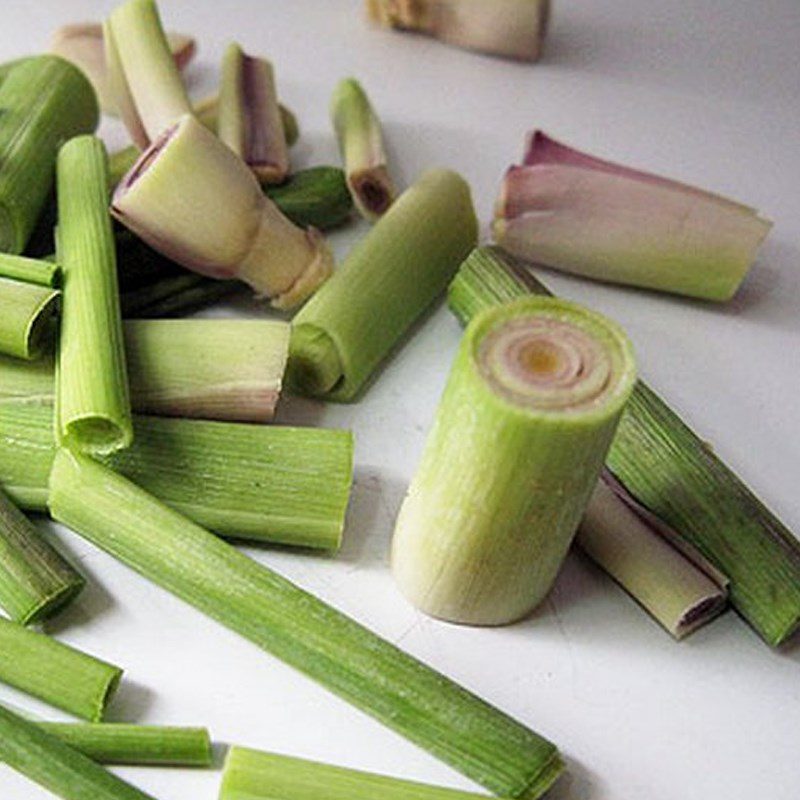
point(579, 214)
point(508, 28)
point(192, 199)
point(249, 117)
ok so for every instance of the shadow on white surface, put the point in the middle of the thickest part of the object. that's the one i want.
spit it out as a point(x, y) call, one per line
point(131, 703)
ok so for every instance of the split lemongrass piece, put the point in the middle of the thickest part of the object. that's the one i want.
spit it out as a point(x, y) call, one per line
point(43, 101)
point(389, 279)
point(30, 270)
point(358, 130)
point(26, 313)
point(523, 427)
point(346, 658)
point(193, 200)
point(576, 213)
point(510, 28)
point(266, 483)
point(317, 196)
point(93, 409)
point(249, 118)
point(53, 672)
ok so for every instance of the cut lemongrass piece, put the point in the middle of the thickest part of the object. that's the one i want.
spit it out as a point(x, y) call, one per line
point(266, 483)
point(317, 196)
point(30, 270)
point(249, 119)
point(53, 672)
point(43, 101)
point(346, 658)
point(193, 200)
point(523, 427)
point(7, 66)
point(509, 28)
point(137, 745)
point(26, 313)
point(576, 213)
point(350, 326)
point(93, 409)
point(361, 144)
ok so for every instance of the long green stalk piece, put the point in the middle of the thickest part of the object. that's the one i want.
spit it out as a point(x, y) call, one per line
point(26, 313)
point(30, 270)
point(291, 624)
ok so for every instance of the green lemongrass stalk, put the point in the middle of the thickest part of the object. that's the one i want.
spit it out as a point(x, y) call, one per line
point(266, 483)
point(673, 473)
point(43, 101)
point(26, 314)
point(35, 581)
point(389, 279)
point(56, 766)
point(519, 439)
point(375, 676)
point(317, 196)
point(175, 296)
point(193, 200)
point(360, 137)
point(30, 270)
point(53, 672)
point(137, 745)
point(249, 118)
point(93, 409)
point(7, 66)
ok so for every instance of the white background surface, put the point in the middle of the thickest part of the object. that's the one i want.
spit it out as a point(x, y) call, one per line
point(706, 92)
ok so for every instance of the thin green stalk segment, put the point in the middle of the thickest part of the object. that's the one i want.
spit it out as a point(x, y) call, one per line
point(53, 672)
point(30, 270)
point(291, 624)
point(26, 314)
point(318, 196)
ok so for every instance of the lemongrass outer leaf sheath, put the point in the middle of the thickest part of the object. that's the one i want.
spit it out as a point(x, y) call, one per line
point(137, 745)
point(389, 279)
point(26, 314)
point(56, 766)
point(508, 28)
point(43, 101)
point(93, 410)
point(194, 201)
point(579, 214)
point(53, 672)
point(248, 118)
point(266, 483)
point(346, 658)
point(30, 270)
point(654, 453)
point(255, 775)
point(317, 196)
point(360, 137)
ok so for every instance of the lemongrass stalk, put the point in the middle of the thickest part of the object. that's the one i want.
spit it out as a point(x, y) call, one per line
point(193, 200)
point(360, 137)
point(26, 314)
point(43, 101)
point(317, 196)
point(389, 279)
point(7, 66)
point(93, 409)
point(369, 672)
point(175, 296)
point(30, 270)
point(256, 775)
point(248, 118)
point(53, 672)
point(509, 28)
point(266, 483)
point(60, 769)
point(137, 745)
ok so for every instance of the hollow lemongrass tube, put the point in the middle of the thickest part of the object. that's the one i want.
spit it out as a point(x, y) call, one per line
point(93, 410)
point(360, 137)
point(349, 327)
point(30, 270)
point(26, 314)
point(193, 200)
point(533, 399)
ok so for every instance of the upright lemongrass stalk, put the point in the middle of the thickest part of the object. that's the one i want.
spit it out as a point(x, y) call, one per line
point(576, 213)
point(249, 119)
point(360, 137)
point(93, 409)
point(30, 270)
point(509, 28)
point(317, 196)
point(349, 327)
point(523, 427)
point(26, 314)
point(291, 624)
point(43, 101)
point(193, 200)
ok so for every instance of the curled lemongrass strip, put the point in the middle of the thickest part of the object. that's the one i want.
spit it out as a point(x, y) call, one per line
point(30, 270)
point(576, 213)
point(523, 427)
point(509, 28)
point(249, 119)
point(26, 313)
point(193, 200)
point(341, 336)
point(358, 130)
point(317, 196)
